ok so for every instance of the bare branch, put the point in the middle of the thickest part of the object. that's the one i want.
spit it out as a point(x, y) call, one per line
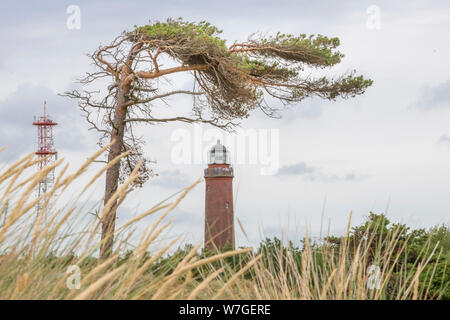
point(214, 122)
point(161, 96)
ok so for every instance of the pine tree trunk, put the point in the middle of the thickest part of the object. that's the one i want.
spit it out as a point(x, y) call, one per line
point(117, 134)
point(112, 175)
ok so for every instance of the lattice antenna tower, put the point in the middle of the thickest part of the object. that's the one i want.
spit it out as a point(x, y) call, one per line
point(45, 151)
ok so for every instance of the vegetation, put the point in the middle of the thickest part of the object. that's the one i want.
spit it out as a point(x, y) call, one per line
point(228, 83)
point(38, 253)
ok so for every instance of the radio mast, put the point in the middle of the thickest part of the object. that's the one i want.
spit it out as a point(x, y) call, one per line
point(45, 150)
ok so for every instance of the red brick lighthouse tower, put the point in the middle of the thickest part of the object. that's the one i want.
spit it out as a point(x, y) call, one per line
point(219, 216)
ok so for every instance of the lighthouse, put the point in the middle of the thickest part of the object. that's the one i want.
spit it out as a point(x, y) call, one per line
point(219, 215)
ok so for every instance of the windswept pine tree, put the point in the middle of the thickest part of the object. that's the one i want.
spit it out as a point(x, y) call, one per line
point(228, 81)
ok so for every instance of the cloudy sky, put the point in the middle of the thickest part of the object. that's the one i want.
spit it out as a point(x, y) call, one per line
point(385, 151)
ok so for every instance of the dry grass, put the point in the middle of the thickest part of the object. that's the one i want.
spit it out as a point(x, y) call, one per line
point(36, 252)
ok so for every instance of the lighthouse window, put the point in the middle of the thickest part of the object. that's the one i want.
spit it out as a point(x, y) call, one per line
point(227, 205)
point(209, 187)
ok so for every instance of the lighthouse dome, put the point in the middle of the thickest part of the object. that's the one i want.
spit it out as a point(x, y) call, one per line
point(218, 154)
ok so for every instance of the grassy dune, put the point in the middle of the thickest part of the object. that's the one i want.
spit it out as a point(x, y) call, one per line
point(40, 254)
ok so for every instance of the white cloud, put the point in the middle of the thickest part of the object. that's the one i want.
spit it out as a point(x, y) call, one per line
point(435, 96)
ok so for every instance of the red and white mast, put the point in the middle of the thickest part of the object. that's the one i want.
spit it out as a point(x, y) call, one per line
point(45, 150)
